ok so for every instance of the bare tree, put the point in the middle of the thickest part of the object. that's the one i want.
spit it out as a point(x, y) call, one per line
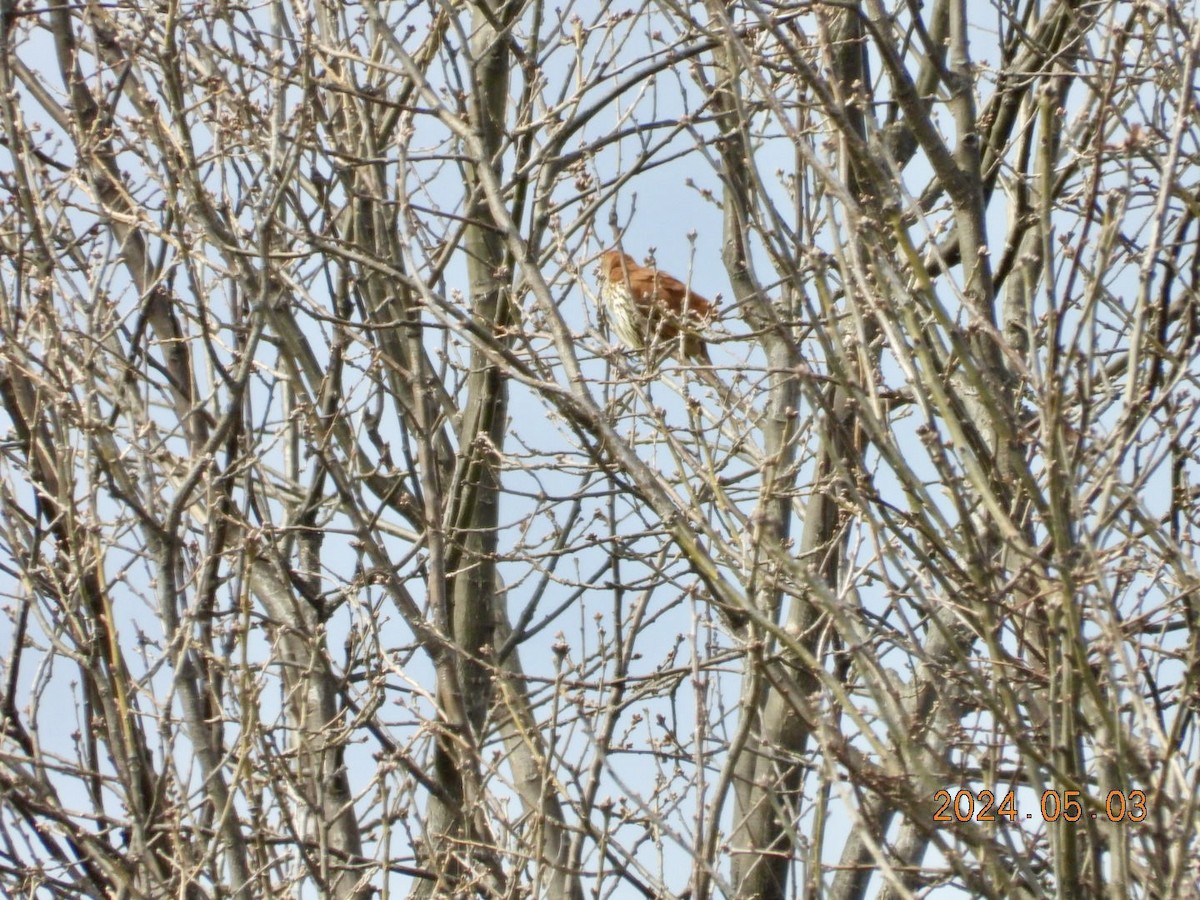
point(346, 554)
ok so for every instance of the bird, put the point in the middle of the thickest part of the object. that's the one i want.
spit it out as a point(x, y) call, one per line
point(652, 310)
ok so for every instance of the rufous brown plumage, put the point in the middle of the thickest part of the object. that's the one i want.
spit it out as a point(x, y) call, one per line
point(652, 309)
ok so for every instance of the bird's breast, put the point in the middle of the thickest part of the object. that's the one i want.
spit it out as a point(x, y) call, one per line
point(627, 319)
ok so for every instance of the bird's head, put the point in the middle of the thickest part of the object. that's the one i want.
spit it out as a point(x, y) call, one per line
point(615, 265)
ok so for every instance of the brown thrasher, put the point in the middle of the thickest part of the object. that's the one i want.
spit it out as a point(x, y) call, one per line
point(651, 309)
